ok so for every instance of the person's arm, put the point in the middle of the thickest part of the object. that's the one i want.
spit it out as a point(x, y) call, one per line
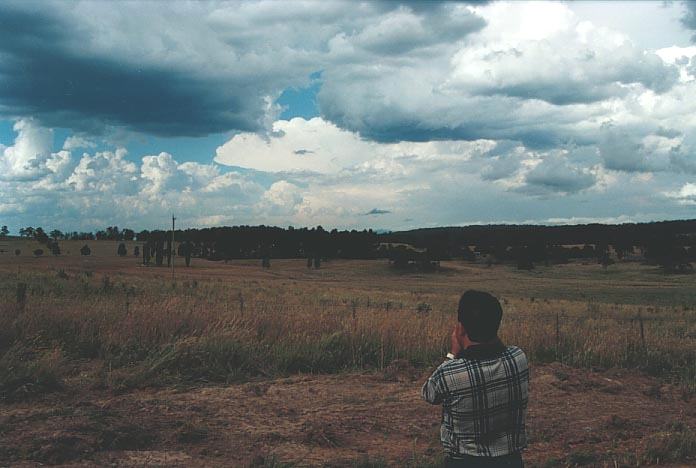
point(432, 390)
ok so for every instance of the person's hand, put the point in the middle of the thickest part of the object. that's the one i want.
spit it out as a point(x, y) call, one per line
point(455, 346)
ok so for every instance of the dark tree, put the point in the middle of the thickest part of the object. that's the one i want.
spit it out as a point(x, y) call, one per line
point(55, 248)
point(26, 232)
point(85, 250)
point(467, 254)
point(136, 251)
point(122, 251)
point(40, 236)
point(186, 250)
point(4, 231)
point(523, 257)
point(56, 234)
point(159, 252)
point(605, 259)
point(112, 233)
point(146, 253)
point(670, 257)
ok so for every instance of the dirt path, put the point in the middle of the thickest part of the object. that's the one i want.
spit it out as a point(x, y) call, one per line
point(575, 416)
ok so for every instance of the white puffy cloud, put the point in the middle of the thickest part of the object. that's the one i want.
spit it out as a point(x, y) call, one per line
point(536, 73)
point(104, 172)
point(686, 195)
point(281, 199)
point(594, 64)
point(74, 142)
point(30, 158)
point(316, 145)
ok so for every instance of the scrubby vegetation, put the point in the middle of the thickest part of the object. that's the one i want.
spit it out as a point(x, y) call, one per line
point(149, 331)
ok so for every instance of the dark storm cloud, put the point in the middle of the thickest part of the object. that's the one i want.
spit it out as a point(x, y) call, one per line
point(429, 5)
point(689, 18)
point(43, 74)
point(558, 176)
point(193, 68)
point(377, 211)
point(400, 32)
point(474, 118)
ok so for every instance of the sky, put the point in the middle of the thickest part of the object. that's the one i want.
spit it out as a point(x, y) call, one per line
point(385, 115)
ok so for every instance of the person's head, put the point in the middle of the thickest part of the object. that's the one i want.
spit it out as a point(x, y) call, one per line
point(480, 314)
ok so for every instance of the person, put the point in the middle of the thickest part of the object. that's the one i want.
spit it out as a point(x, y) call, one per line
point(483, 389)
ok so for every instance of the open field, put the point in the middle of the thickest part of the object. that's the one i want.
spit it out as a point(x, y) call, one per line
point(104, 360)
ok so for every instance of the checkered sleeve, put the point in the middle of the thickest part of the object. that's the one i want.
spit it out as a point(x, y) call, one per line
point(433, 389)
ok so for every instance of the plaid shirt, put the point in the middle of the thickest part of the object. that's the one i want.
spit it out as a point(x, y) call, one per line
point(483, 393)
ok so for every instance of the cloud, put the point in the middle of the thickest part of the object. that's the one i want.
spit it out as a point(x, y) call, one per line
point(686, 195)
point(556, 174)
point(105, 187)
point(197, 68)
point(391, 71)
point(689, 18)
point(281, 198)
point(149, 71)
point(536, 73)
point(377, 211)
point(30, 158)
point(328, 149)
point(104, 172)
point(74, 142)
point(404, 30)
point(591, 67)
point(444, 112)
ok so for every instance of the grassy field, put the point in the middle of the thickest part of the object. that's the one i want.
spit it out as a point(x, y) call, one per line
point(107, 323)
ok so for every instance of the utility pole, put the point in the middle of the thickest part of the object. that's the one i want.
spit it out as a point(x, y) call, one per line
point(171, 254)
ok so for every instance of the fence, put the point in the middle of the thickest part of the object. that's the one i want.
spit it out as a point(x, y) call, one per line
point(371, 332)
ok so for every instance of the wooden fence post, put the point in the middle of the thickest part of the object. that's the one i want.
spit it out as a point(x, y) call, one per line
point(381, 351)
point(21, 295)
point(642, 332)
point(558, 337)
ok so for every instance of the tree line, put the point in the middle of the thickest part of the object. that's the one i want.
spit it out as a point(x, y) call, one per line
point(671, 244)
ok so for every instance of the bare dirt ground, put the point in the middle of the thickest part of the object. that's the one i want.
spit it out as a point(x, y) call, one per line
point(575, 416)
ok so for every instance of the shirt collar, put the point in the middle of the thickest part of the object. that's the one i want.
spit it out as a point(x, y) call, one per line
point(484, 350)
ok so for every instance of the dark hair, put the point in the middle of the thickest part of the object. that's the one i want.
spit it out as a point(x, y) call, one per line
point(480, 314)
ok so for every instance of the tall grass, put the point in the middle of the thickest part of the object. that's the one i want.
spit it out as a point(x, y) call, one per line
point(146, 331)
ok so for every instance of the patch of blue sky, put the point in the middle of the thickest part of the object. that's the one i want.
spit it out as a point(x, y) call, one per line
point(301, 102)
point(7, 134)
point(183, 149)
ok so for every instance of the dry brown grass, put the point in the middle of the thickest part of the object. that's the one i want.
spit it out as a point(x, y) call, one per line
point(216, 319)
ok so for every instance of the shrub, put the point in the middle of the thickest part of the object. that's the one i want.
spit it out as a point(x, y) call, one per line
point(678, 445)
point(23, 375)
point(210, 359)
point(122, 251)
